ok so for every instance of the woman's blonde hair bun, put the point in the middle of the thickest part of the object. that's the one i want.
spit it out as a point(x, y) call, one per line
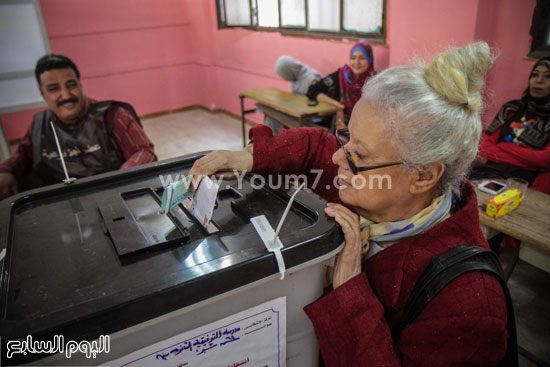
point(458, 74)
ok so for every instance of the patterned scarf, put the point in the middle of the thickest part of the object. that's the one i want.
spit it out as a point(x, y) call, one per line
point(428, 217)
point(351, 84)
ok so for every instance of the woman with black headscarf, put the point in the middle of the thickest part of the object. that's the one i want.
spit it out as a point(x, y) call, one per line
point(517, 143)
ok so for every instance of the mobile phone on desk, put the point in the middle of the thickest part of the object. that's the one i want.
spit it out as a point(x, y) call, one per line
point(312, 103)
point(492, 187)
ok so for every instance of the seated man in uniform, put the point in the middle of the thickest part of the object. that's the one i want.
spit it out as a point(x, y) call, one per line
point(94, 137)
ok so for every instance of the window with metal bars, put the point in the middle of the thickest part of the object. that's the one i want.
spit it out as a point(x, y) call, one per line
point(316, 18)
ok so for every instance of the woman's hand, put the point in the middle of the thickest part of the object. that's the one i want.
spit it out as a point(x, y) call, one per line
point(222, 162)
point(322, 97)
point(340, 122)
point(348, 262)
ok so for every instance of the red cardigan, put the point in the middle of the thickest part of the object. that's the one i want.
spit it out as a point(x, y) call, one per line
point(465, 324)
point(520, 156)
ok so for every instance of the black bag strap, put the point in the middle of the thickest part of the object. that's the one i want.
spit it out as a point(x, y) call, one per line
point(445, 268)
point(422, 294)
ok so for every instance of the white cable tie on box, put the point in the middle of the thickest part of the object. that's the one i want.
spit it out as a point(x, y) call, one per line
point(269, 237)
point(267, 234)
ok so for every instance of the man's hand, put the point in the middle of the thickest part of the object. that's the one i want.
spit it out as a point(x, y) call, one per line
point(348, 263)
point(8, 185)
point(222, 162)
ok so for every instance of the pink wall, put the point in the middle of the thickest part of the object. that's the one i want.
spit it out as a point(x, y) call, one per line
point(130, 50)
point(420, 28)
point(423, 28)
point(162, 55)
point(510, 36)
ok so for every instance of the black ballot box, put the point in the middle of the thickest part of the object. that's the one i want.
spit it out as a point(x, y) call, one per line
point(96, 257)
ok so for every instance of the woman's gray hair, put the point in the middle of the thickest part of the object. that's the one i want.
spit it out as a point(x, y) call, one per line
point(433, 112)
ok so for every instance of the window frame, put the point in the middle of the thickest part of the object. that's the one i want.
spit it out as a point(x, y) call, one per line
point(540, 30)
point(373, 38)
point(26, 73)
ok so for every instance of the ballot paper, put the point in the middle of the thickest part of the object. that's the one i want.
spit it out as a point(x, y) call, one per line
point(202, 204)
point(175, 193)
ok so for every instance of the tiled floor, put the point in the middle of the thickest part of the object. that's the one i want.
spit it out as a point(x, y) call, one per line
point(198, 130)
point(193, 131)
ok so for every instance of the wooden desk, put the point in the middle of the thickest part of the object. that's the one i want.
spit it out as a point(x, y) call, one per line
point(290, 109)
point(529, 223)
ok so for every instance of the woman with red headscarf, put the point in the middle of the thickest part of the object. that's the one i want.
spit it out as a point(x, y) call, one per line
point(343, 87)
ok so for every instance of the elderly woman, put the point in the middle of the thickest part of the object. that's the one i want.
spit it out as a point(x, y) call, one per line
point(412, 137)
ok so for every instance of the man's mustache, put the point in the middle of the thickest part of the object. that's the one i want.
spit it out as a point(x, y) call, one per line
point(70, 100)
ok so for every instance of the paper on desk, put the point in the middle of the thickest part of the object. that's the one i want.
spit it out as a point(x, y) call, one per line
point(202, 204)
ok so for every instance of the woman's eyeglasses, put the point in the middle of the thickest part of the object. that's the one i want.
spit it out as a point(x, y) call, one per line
point(342, 136)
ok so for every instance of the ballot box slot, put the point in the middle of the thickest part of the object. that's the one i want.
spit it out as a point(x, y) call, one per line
point(145, 207)
point(134, 224)
point(180, 214)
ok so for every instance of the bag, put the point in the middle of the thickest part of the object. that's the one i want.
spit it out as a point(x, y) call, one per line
point(445, 268)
